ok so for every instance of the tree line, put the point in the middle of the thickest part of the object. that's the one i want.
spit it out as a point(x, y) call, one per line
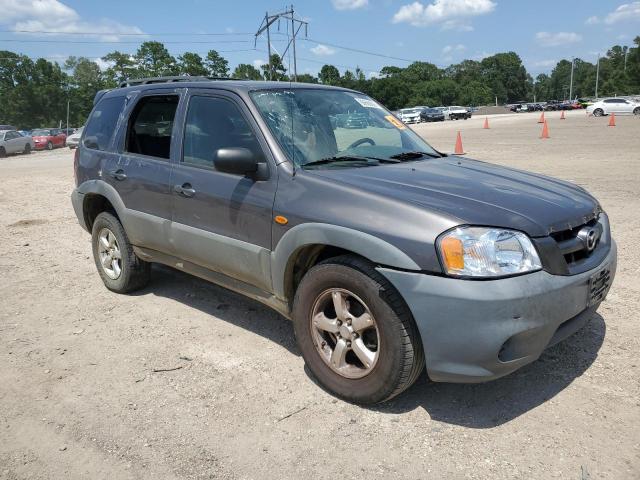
point(34, 93)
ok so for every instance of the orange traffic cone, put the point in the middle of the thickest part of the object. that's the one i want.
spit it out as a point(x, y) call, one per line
point(562, 115)
point(486, 123)
point(541, 118)
point(612, 120)
point(545, 130)
point(458, 150)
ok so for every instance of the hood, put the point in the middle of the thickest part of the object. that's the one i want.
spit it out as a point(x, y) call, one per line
point(477, 193)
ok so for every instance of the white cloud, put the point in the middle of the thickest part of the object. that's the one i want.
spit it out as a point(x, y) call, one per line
point(55, 16)
point(374, 74)
point(102, 65)
point(482, 55)
point(625, 12)
point(593, 20)
point(322, 50)
point(448, 12)
point(453, 48)
point(545, 63)
point(258, 63)
point(547, 39)
point(349, 4)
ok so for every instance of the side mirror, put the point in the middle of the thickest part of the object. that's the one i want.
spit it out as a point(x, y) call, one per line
point(91, 142)
point(240, 161)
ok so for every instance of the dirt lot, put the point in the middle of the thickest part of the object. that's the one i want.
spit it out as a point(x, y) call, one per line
point(79, 397)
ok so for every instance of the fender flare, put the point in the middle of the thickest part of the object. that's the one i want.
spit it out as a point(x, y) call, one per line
point(306, 234)
point(100, 187)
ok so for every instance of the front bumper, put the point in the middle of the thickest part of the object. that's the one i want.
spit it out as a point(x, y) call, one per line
point(77, 200)
point(474, 331)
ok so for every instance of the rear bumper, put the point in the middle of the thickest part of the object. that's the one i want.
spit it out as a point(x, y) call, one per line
point(475, 331)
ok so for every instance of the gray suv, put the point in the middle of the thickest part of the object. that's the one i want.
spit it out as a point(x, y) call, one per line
point(387, 255)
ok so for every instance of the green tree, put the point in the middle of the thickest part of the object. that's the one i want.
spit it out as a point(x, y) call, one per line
point(122, 67)
point(216, 65)
point(85, 80)
point(244, 71)
point(329, 75)
point(274, 70)
point(153, 60)
point(190, 63)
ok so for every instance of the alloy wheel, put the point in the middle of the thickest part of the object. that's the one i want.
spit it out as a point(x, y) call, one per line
point(109, 254)
point(345, 333)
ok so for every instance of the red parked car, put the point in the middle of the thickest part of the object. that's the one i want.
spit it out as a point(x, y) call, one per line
point(48, 138)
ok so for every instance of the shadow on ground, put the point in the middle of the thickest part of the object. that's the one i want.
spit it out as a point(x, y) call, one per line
point(483, 405)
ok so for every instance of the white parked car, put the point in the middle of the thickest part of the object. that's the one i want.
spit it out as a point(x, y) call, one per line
point(619, 106)
point(456, 113)
point(410, 115)
point(12, 142)
point(74, 139)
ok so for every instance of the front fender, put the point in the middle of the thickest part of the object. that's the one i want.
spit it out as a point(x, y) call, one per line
point(306, 234)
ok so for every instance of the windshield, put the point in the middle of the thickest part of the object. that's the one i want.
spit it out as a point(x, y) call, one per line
point(40, 133)
point(411, 110)
point(319, 124)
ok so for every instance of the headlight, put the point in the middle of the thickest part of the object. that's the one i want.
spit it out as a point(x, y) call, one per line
point(487, 252)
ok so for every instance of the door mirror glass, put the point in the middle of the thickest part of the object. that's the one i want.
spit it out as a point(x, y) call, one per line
point(91, 142)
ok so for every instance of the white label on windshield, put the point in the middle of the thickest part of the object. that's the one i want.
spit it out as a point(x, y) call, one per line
point(367, 102)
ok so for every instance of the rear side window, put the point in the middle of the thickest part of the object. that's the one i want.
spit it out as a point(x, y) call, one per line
point(102, 123)
point(214, 123)
point(150, 126)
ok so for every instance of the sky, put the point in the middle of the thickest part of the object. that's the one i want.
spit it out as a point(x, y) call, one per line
point(397, 31)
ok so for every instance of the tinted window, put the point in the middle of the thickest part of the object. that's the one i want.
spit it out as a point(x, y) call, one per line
point(214, 123)
point(11, 135)
point(150, 126)
point(102, 123)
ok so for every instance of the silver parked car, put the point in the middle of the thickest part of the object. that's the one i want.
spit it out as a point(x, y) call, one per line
point(74, 139)
point(619, 106)
point(12, 142)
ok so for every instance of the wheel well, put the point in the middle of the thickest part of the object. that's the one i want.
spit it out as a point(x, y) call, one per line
point(95, 204)
point(304, 259)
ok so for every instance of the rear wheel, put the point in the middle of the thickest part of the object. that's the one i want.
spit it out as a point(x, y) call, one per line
point(3, 152)
point(598, 112)
point(119, 267)
point(355, 331)
point(636, 111)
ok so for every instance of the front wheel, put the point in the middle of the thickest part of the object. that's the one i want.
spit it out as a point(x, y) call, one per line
point(119, 267)
point(636, 111)
point(49, 145)
point(355, 332)
point(598, 112)
point(27, 149)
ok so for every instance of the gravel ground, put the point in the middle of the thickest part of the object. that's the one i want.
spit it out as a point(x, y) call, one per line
point(79, 397)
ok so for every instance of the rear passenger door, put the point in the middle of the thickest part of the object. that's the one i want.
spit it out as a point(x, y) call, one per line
point(12, 142)
point(222, 221)
point(141, 173)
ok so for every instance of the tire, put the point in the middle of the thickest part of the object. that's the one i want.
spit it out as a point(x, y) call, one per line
point(598, 112)
point(49, 146)
point(27, 149)
point(133, 273)
point(636, 111)
point(394, 368)
point(3, 152)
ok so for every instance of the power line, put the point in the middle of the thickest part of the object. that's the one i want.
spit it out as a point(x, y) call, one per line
point(102, 42)
point(188, 34)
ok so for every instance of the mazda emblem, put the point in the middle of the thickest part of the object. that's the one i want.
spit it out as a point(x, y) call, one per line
point(589, 236)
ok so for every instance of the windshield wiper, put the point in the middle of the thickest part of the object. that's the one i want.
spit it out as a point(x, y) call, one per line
point(414, 155)
point(351, 158)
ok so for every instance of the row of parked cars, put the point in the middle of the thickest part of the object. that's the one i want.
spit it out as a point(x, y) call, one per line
point(13, 141)
point(433, 114)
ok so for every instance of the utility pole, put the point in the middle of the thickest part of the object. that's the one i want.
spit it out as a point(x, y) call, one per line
point(571, 81)
point(287, 15)
point(626, 54)
point(67, 116)
point(597, 74)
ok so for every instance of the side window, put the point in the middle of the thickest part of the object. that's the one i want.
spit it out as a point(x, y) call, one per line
point(150, 126)
point(11, 136)
point(214, 123)
point(102, 123)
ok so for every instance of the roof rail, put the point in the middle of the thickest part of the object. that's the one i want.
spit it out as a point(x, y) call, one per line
point(179, 78)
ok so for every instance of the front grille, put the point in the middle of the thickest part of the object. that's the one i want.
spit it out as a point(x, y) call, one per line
point(571, 246)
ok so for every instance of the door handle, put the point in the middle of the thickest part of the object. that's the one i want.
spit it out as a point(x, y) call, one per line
point(185, 189)
point(118, 174)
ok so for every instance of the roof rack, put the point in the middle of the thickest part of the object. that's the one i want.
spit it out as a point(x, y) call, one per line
point(179, 78)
